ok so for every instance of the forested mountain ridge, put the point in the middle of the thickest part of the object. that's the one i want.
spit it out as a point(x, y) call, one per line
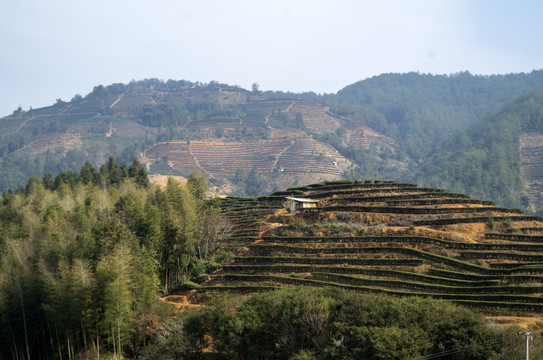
point(392, 126)
point(489, 160)
point(419, 104)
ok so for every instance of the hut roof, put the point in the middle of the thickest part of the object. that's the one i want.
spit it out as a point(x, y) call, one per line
point(303, 200)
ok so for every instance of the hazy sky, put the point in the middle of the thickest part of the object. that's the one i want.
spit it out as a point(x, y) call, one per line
point(52, 49)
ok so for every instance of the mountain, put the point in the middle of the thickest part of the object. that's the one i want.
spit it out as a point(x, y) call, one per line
point(404, 127)
point(156, 120)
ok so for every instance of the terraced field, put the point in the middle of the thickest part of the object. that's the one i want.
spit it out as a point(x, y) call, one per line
point(531, 167)
point(229, 126)
point(316, 117)
point(63, 142)
point(134, 100)
point(387, 237)
point(221, 159)
point(367, 137)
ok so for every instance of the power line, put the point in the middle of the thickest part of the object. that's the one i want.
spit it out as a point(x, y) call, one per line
point(465, 348)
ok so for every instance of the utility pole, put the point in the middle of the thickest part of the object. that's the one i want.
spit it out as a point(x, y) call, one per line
point(528, 336)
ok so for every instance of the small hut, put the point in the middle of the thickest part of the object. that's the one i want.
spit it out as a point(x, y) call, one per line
point(299, 204)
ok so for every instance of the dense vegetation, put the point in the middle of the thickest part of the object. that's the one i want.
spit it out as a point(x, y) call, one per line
point(453, 131)
point(422, 110)
point(309, 323)
point(84, 256)
point(484, 160)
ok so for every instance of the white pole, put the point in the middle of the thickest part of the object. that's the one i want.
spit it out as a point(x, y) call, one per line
point(528, 336)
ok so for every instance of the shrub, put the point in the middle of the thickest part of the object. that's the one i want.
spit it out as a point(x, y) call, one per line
point(185, 285)
point(170, 342)
point(491, 223)
point(331, 323)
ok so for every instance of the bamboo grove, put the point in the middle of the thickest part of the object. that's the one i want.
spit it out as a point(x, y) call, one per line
point(84, 256)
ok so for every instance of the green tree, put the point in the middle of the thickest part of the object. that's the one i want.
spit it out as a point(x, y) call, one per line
point(112, 172)
point(19, 285)
point(198, 185)
point(255, 183)
point(178, 220)
point(299, 120)
point(65, 177)
point(239, 177)
point(48, 180)
point(338, 324)
point(170, 342)
point(113, 275)
point(138, 172)
point(89, 174)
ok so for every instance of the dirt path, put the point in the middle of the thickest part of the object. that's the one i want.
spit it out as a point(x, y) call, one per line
point(198, 163)
point(111, 129)
point(181, 300)
point(23, 124)
point(281, 153)
point(116, 101)
point(290, 106)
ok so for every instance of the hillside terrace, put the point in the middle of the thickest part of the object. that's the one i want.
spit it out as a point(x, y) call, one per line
point(496, 269)
point(221, 159)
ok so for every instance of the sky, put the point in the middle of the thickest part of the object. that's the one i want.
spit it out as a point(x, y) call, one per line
point(59, 48)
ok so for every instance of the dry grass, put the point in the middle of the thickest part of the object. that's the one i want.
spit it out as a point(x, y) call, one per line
point(469, 231)
point(533, 322)
point(446, 233)
point(181, 300)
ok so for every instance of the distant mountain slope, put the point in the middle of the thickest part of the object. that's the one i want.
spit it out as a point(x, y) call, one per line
point(531, 167)
point(488, 159)
point(403, 127)
point(292, 113)
point(283, 159)
point(151, 119)
point(422, 110)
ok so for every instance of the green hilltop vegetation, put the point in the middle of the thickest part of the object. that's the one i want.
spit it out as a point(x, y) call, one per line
point(475, 134)
point(485, 159)
point(378, 270)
